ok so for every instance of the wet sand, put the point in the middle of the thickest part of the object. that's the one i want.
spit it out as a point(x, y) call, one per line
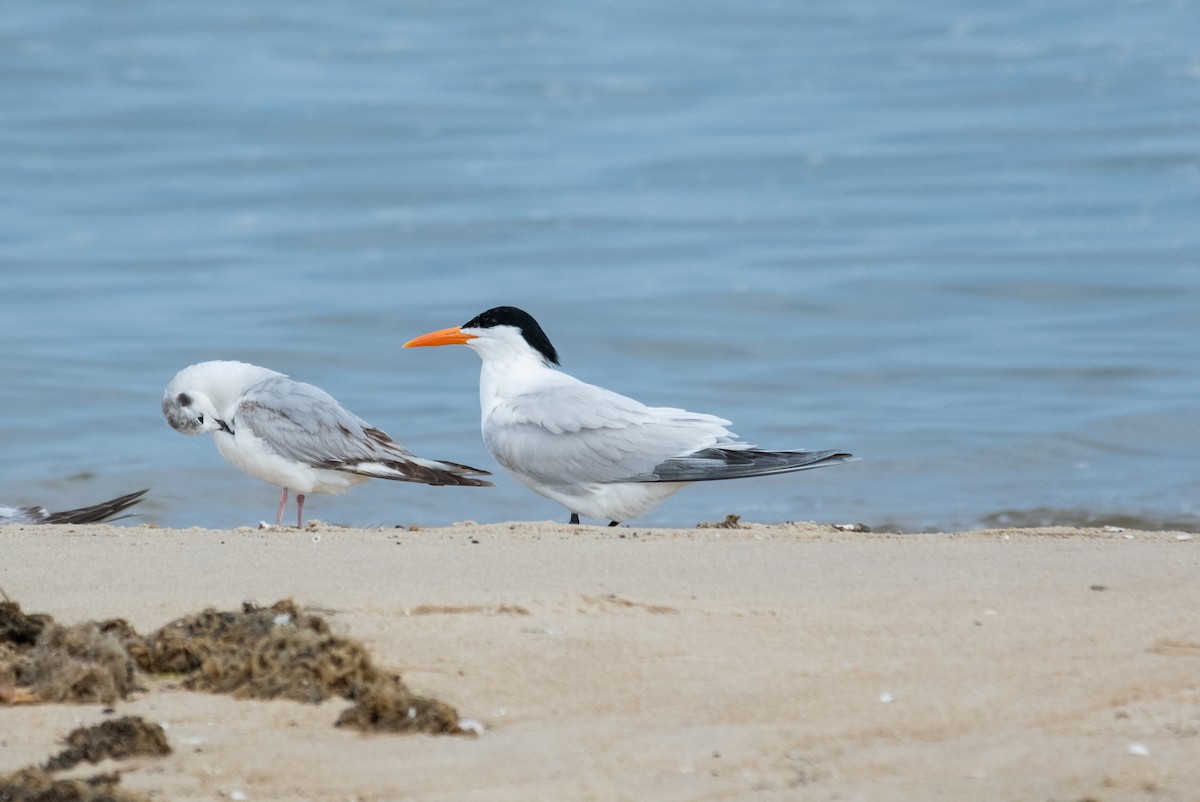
point(766, 663)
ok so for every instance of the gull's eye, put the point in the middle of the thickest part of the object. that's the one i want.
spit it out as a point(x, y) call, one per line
point(200, 418)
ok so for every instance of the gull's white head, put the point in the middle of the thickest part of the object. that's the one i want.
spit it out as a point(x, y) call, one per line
point(199, 395)
point(189, 412)
point(502, 332)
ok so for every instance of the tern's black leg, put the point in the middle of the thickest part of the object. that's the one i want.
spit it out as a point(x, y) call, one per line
point(574, 518)
point(614, 523)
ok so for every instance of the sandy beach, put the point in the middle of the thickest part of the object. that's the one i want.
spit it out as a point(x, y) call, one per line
point(766, 663)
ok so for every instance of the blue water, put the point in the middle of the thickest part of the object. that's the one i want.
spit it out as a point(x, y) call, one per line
point(961, 240)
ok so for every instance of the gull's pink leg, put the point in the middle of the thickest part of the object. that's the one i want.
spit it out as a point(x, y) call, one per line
point(299, 510)
point(279, 515)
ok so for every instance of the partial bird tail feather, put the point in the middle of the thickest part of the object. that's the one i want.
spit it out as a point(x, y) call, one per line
point(96, 513)
point(731, 463)
point(423, 471)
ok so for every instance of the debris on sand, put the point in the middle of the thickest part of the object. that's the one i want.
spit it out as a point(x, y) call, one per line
point(84, 663)
point(18, 633)
point(117, 739)
point(732, 521)
point(272, 652)
point(41, 660)
point(260, 653)
point(389, 706)
point(34, 785)
point(17, 628)
point(282, 651)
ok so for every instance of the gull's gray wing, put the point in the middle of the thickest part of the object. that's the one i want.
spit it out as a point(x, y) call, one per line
point(304, 423)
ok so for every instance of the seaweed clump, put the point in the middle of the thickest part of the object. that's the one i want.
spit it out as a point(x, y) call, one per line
point(389, 706)
point(41, 660)
point(35, 785)
point(255, 653)
point(84, 663)
point(18, 628)
point(282, 651)
point(116, 739)
point(732, 521)
point(260, 653)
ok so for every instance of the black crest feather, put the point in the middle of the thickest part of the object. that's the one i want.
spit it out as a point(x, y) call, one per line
point(520, 320)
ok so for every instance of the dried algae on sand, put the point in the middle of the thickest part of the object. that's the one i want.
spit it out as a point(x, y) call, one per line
point(35, 785)
point(282, 651)
point(41, 660)
point(260, 653)
point(118, 739)
point(272, 652)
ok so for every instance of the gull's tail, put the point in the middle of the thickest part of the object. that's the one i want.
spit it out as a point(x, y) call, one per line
point(393, 461)
point(418, 469)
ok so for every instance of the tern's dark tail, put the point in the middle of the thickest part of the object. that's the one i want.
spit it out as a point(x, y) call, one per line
point(96, 513)
point(735, 463)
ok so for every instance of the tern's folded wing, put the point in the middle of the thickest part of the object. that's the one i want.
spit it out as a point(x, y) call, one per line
point(578, 434)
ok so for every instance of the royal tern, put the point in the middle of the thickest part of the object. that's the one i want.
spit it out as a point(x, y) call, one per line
point(599, 454)
point(94, 514)
point(294, 435)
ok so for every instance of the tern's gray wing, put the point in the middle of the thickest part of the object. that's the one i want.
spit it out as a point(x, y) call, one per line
point(304, 423)
point(576, 433)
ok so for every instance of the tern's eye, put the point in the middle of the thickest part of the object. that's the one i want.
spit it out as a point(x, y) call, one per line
point(200, 418)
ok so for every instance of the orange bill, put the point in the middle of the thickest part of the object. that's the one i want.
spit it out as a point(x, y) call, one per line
point(451, 336)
